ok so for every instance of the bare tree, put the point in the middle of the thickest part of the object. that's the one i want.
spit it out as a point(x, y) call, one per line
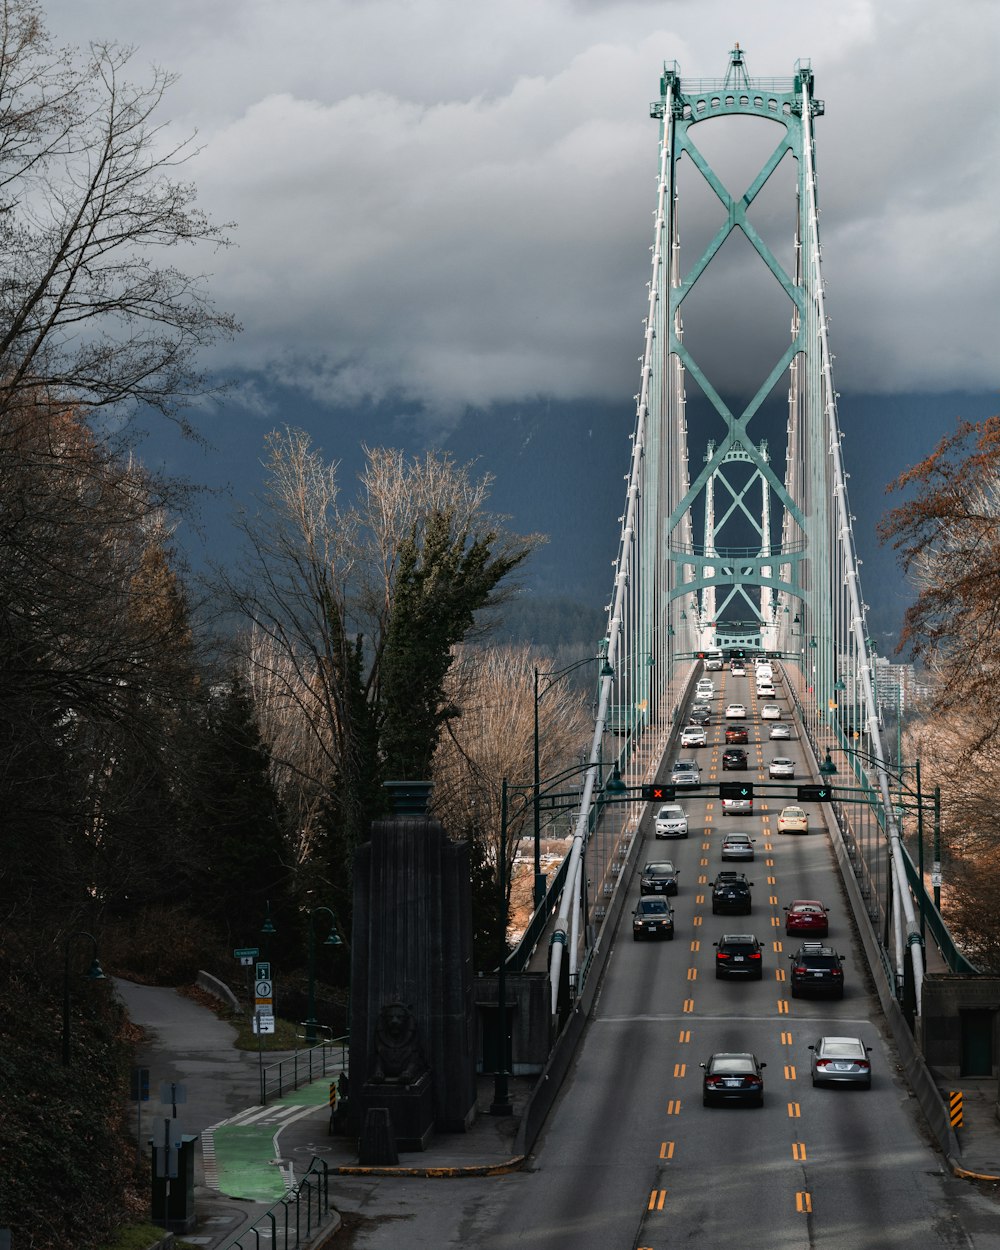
point(89, 195)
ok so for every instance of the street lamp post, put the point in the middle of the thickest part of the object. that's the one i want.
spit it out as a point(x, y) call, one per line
point(94, 973)
point(541, 882)
point(332, 939)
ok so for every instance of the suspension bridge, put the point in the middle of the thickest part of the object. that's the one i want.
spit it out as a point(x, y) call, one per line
point(729, 546)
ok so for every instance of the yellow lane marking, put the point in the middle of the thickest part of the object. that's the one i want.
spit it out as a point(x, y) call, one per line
point(775, 922)
point(798, 1151)
point(803, 1201)
point(666, 1149)
point(656, 1200)
point(768, 846)
point(685, 1036)
point(680, 1069)
point(794, 1111)
point(699, 898)
point(786, 1039)
point(692, 974)
point(769, 863)
point(703, 880)
point(702, 862)
point(688, 1006)
point(771, 880)
point(782, 1006)
point(790, 1072)
point(696, 945)
point(674, 1106)
point(773, 899)
point(779, 974)
point(777, 947)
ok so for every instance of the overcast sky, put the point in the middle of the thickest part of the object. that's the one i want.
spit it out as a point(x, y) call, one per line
point(448, 202)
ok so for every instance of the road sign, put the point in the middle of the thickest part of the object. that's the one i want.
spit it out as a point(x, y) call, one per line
point(263, 971)
point(244, 952)
point(263, 1024)
point(263, 991)
point(735, 789)
point(659, 793)
point(139, 1085)
point(814, 794)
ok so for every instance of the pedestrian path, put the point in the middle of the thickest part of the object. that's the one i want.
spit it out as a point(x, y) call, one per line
point(242, 1155)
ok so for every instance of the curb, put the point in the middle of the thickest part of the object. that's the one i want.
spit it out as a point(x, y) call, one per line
point(473, 1169)
point(963, 1174)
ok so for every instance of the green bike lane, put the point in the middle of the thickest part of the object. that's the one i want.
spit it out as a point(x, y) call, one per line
point(243, 1156)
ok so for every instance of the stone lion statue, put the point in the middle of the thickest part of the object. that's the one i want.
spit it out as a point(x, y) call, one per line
point(399, 1059)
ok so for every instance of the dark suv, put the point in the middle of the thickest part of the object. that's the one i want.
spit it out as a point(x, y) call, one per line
point(738, 955)
point(737, 733)
point(816, 969)
point(659, 877)
point(653, 918)
point(731, 893)
point(734, 757)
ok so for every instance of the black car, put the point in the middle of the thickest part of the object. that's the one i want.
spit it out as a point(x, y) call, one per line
point(733, 1078)
point(738, 955)
point(653, 918)
point(734, 757)
point(816, 969)
point(731, 893)
point(700, 716)
point(659, 877)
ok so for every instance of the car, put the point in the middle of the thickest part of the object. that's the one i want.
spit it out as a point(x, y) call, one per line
point(738, 955)
point(699, 715)
point(685, 773)
point(736, 711)
point(793, 820)
point(816, 969)
point(770, 711)
point(653, 918)
point(765, 690)
point(737, 846)
point(737, 733)
point(659, 876)
point(807, 916)
point(700, 705)
point(733, 1077)
point(780, 730)
point(734, 757)
point(705, 688)
point(713, 661)
point(841, 1060)
point(737, 807)
point(731, 893)
point(671, 822)
point(738, 670)
point(694, 736)
point(763, 669)
point(781, 766)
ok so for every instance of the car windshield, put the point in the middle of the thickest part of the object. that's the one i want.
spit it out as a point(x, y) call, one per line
point(794, 812)
point(737, 837)
point(732, 1063)
point(842, 1048)
point(659, 870)
point(739, 948)
point(654, 906)
point(670, 813)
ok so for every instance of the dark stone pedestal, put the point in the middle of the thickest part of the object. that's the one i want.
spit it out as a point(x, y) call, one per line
point(410, 1107)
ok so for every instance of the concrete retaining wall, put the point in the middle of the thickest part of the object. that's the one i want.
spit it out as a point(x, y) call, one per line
point(219, 989)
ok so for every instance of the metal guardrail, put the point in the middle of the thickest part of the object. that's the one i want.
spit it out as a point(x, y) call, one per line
point(292, 1221)
point(303, 1067)
point(950, 953)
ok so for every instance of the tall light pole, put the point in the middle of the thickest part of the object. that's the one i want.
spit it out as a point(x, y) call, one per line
point(332, 939)
point(94, 973)
point(541, 882)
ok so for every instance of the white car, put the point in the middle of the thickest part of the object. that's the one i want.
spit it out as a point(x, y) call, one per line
point(694, 736)
point(671, 822)
point(770, 711)
point(765, 690)
point(704, 690)
point(737, 807)
point(780, 730)
point(781, 766)
point(736, 711)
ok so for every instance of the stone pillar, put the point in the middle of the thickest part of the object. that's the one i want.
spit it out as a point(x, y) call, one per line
point(412, 947)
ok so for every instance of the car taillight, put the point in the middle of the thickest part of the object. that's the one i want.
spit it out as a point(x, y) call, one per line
point(799, 968)
point(712, 1080)
point(755, 955)
point(754, 1080)
point(863, 1064)
point(721, 955)
point(837, 972)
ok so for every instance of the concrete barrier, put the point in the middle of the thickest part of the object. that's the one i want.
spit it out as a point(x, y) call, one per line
point(218, 989)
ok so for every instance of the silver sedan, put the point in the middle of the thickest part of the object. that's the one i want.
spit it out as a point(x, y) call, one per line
point(841, 1060)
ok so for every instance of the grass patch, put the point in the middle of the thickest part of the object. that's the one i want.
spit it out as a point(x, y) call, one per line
point(141, 1237)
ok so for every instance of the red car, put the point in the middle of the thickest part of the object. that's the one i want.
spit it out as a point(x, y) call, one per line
point(807, 916)
point(736, 733)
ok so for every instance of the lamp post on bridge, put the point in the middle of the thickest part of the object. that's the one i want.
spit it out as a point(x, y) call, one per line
point(552, 678)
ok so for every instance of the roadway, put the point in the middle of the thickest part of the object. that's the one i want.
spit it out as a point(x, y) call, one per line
point(630, 1158)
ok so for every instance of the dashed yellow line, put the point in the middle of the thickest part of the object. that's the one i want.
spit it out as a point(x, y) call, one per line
point(656, 1200)
point(790, 1072)
point(674, 1106)
point(685, 1036)
point(794, 1111)
point(798, 1151)
point(786, 1039)
point(782, 1006)
point(688, 1006)
point(695, 945)
point(667, 1150)
point(803, 1201)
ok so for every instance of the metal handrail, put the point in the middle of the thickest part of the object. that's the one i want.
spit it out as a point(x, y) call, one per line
point(303, 1067)
point(285, 1225)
